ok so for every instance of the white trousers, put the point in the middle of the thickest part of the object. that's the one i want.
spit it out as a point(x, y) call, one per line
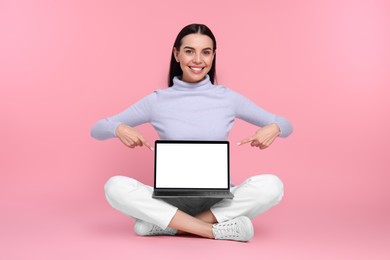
point(254, 196)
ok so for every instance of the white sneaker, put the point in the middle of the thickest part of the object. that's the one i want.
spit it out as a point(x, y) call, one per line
point(143, 228)
point(239, 229)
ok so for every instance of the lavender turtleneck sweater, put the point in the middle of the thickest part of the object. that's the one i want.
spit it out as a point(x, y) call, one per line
point(191, 111)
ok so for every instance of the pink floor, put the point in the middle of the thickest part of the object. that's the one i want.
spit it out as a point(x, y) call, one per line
point(63, 231)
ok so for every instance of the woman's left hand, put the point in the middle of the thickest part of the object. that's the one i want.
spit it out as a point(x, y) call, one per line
point(264, 137)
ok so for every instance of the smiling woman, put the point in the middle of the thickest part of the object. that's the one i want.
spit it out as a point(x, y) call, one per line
point(193, 108)
point(193, 54)
point(195, 57)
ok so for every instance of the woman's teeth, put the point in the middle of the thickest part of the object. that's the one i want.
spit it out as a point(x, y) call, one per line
point(196, 69)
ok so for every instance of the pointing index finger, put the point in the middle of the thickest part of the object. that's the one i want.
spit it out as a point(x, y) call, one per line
point(245, 141)
point(148, 145)
point(144, 142)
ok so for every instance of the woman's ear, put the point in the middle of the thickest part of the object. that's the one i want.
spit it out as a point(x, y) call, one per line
point(175, 54)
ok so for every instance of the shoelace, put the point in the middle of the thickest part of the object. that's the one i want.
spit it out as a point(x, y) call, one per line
point(227, 230)
point(157, 230)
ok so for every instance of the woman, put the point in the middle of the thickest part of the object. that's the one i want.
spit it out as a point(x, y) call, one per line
point(193, 108)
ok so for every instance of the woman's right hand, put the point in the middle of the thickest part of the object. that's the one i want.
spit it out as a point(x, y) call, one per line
point(130, 137)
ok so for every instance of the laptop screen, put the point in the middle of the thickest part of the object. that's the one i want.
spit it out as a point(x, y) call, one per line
point(192, 164)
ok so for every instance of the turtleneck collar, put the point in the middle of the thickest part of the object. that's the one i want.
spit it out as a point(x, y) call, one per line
point(201, 85)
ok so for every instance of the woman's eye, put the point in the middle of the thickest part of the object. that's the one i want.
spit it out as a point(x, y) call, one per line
point(188, 51)
point(206, 52)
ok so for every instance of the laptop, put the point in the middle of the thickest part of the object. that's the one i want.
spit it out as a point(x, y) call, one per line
point(196, 169)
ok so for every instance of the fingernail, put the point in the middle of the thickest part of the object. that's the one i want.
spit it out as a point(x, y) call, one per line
point(151, 148)
point(238, 143)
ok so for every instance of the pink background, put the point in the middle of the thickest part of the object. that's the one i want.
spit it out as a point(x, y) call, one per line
point(322, 64)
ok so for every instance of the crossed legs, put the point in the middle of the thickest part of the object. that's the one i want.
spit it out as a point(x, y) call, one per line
point(200, 225)
point(253, 197)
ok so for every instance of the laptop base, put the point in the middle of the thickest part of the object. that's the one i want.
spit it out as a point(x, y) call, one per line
point(193, 194)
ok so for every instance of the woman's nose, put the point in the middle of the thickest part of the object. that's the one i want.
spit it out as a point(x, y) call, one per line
point(197, 58)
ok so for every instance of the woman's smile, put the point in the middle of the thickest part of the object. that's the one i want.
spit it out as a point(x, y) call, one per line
point(196, 70)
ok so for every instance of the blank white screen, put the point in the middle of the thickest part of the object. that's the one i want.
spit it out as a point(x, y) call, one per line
point(181, 165)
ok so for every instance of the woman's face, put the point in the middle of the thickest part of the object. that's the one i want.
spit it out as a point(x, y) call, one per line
point(196, 55)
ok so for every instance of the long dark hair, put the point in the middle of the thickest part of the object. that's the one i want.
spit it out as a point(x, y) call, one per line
point(174, 68)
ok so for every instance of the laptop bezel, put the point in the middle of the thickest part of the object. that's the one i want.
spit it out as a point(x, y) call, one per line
point(191, 142)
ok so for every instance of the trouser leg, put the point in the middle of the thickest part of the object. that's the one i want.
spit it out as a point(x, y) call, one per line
point(134, 199)
point(251, 198)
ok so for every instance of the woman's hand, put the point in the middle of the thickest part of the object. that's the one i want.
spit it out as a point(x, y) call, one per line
point(264, 137)
point(130, 137)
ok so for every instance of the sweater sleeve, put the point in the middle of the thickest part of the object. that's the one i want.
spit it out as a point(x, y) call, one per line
point(137, 114)
point(248, 111)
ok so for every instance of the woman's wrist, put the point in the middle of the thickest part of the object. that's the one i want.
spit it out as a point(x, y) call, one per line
point(277, 128)
point(118, 129)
